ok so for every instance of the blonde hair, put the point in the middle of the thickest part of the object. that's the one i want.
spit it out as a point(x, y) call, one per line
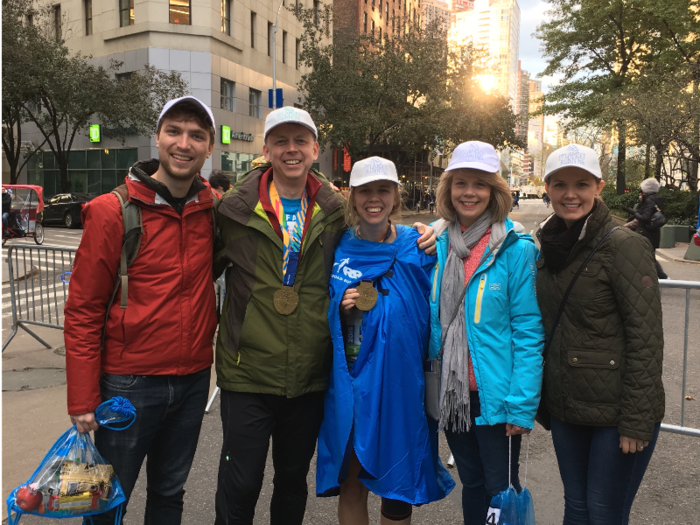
point(352, 219)
point(499, 204)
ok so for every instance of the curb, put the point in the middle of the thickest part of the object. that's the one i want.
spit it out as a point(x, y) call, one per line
point(663, 252)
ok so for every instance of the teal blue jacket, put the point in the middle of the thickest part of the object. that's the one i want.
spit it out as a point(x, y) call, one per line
point(504, 326)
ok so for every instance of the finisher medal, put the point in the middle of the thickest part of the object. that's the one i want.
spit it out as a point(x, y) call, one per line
point(368, 296)
point(285, 300)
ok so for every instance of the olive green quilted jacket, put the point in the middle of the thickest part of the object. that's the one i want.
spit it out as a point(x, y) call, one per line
point(603, 367)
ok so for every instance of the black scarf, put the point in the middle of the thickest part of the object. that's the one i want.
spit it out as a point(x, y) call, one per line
point(557, 240)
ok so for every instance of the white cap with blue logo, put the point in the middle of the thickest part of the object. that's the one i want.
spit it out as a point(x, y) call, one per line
point(573, 156)
point(475, 155)
point(290, 115)
point(372, 169)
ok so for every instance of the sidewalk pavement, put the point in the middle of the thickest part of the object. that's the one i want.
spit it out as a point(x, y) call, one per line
point(677, 253)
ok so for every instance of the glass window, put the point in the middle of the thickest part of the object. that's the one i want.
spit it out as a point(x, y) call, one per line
point(228, 100)
point(93, 159)
point(57, 21)
point(88, 17)
point(126, 13)
point(126, 158)
point(284, 47)
point(372, 27)
point(252, 29)
point(49, 161)
point(109, 180)
point(296, 54)
point(316, 12)
point(52, 183)
point(76, 160)
point(94, 182)
point(255, 99)
point(78, 181)
point(179, 12)
point(380, 8)
point(108, 158)
point(226, 17)
point(364, 22)
point(380, 33)
point(269, 39)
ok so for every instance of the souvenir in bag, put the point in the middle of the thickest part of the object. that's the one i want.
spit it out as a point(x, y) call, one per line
point(74, 480)
point(508, 507)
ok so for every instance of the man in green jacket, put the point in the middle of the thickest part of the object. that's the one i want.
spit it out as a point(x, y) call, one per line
point(279, 228)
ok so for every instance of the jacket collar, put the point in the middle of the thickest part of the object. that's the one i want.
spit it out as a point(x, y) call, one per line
point(144, 188)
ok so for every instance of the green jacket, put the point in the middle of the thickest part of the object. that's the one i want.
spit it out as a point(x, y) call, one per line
point(603, 367)
point(259, 350)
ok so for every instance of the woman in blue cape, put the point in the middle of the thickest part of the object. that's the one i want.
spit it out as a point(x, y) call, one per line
point(375, 435)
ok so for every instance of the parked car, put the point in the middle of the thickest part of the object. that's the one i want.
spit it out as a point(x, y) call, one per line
point(65, 208)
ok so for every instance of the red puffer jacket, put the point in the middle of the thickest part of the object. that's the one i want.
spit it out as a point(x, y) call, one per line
point(168, 326)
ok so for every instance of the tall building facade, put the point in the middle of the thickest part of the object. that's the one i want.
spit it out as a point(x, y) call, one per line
point(522, 104)
point(535, 131)
point(379, 18)
point(494, 26)
point(222, 49)
point(436, 11)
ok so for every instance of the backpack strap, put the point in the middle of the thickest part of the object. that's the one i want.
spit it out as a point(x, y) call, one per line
point(131, 242)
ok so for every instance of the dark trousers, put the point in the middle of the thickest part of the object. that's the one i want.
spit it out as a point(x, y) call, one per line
point(169, 412)
point(249, 421)
point(481, 457)
point(600, 482)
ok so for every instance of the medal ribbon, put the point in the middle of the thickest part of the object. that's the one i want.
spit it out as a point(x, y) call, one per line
point(292, 243)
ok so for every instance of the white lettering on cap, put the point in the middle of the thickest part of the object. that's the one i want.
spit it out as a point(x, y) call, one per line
point(376, 167)
point(572, 156)
point(472, 153)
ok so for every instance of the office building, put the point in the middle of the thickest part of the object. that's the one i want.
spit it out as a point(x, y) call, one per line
point(222, 49)
point(379, 18)
point(436, 11)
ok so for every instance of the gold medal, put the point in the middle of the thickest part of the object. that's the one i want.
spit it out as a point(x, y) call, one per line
point(285, 300)
point(368, 296)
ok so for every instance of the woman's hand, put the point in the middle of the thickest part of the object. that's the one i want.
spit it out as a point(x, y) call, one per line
point(349, 299)
point(512, 430)
point(631, 445)
point(427, 238)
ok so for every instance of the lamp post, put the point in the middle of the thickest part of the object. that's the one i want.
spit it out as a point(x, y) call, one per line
point(274, 58)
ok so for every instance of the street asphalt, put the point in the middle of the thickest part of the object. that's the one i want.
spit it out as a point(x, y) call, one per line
point(34, 415)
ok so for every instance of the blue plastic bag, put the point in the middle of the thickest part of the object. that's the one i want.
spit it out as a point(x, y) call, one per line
point(73, 479)
point(510, 508)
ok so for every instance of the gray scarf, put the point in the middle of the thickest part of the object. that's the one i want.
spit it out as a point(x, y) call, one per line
point(454, 387)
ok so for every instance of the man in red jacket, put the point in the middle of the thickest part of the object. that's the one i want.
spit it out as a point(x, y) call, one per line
point(157, 351)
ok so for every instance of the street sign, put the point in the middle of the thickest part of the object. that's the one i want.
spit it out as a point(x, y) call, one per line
point(225, 135)
point(94, 133)
point(280, 100)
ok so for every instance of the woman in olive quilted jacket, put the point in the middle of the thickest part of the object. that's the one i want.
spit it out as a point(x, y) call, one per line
point(602, 378)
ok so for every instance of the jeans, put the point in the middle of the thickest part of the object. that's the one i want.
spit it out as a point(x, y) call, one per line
point(600, 482)
point(169, 412)
point(481, 456)
point(249, 420)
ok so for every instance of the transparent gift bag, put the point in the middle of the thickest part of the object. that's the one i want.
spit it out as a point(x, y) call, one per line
point(508, 507)
point(73, 479)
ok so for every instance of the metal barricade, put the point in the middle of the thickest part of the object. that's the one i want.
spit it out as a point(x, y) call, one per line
point(687, 286)
point(38, 287)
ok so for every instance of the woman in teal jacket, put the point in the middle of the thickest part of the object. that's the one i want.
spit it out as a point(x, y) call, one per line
point(490, 334)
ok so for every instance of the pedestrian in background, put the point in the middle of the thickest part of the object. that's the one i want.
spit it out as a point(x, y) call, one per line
point(219, 182)
point(156, 349)
point(602, 377)
point(649, 203)
point(486, 322)
point(375, 435)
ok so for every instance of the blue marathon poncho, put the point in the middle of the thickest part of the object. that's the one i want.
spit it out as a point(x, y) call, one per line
point(377, 407)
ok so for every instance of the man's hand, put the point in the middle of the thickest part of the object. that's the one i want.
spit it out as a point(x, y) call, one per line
point(631, 445)
point(85, 422)
point(427, 238)
point(349, 299)
point(512, 430)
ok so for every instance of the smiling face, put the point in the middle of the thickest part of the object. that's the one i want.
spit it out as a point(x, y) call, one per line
point(374, 202)
point(292, 149)
point(573, 192)
point(183, 146)
point(470, 196)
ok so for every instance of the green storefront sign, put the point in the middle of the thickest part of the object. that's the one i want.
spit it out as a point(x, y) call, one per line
point(94, 133)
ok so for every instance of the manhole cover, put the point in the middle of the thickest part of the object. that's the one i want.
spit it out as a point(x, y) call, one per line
point(61, 350)
point(32, 379)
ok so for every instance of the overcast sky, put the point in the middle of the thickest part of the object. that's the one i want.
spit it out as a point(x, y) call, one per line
point(532, 13)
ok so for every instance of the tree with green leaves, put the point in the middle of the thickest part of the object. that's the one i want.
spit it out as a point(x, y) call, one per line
point(598, 48)
point(398, 97)
point(62, 93)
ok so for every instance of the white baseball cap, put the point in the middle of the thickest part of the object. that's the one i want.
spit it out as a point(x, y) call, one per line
point(573, 156)
point(475, 155)
point(372, 169)
point(289, 114)
point(175, 101)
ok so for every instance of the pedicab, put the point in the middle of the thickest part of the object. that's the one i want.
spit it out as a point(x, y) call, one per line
point(22, 206)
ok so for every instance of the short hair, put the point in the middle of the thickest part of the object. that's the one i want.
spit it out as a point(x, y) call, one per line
point(501, 198)
point(218, 179)
point(353, 219)
point(187, 111)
